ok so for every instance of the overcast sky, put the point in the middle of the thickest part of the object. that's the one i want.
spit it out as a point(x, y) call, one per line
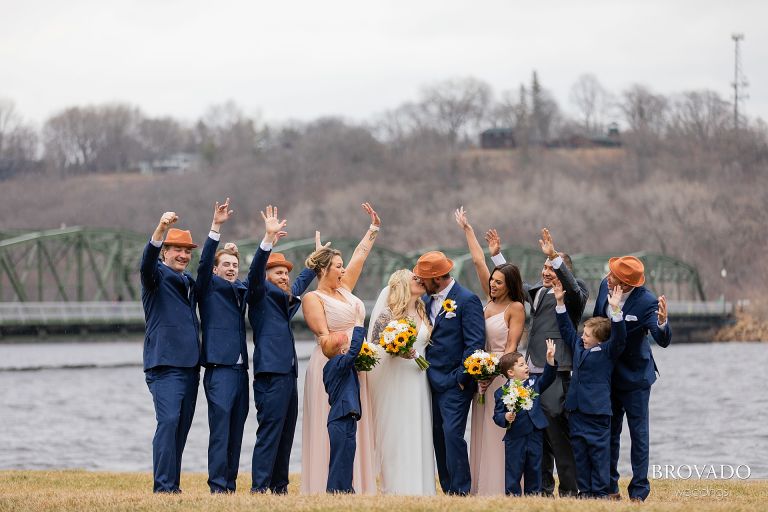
point(304, 59)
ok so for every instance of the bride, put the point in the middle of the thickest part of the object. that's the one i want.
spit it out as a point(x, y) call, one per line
point(400, 396)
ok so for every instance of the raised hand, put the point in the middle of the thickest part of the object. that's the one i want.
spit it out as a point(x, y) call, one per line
point(221, 213)
point(167, 219)
point(318, 244)
point(614, 298)
point(494, 242)
point(550, 352)
point(231, 246)
point(272, 224)
point(461, 218)
point(559, 293)
point(662, 313)
point(547, 245)
point(375, 220)
point(278, 236)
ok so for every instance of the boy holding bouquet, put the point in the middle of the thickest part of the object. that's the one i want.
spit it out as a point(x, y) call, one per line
point(519, 410)
point(589, 396)
point(343, 388)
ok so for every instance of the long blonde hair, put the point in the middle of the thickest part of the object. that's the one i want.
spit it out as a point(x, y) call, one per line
point(400, 295)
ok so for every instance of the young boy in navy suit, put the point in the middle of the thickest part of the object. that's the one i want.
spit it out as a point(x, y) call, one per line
point(343, 388)
point(589, 396)
point(523, 442)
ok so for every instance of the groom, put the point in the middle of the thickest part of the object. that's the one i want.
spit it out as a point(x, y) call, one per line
point(458, 330)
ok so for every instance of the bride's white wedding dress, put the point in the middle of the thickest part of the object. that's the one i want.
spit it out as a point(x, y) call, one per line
point(402, 414)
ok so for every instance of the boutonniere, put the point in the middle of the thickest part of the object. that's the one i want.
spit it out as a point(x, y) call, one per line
point(449, 308)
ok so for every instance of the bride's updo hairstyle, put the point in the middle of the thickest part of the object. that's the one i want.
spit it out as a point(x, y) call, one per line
point(400, 294)
point(320, 260)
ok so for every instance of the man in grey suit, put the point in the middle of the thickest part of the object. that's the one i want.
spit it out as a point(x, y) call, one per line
point(557, 442)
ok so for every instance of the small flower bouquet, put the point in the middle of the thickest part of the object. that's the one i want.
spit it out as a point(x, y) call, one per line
point(367, 358)
point(481, 366)
point(398, 338)
point(517, 397)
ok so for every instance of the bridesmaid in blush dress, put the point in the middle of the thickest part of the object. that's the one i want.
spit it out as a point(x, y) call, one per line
point(330, 311)
point(504, 321)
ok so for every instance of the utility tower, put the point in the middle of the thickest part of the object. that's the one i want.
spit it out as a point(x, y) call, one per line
point(739, 80)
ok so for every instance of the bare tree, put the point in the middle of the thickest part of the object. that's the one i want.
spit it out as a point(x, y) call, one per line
point(545, 113)
point(18, 141)
point(453, 106)
point(592, 102)
point(702, 116)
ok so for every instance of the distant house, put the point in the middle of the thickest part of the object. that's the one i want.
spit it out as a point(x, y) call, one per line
point(179, 163)
point(498, 138)
point(578, 140)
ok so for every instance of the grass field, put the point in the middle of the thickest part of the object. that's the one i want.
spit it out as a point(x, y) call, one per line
point(90, 491)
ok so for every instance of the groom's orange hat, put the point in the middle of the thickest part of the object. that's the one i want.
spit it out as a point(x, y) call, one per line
point(432, 264)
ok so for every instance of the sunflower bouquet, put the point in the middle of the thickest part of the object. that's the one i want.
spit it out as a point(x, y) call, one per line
point(517, 397)
point(367, 358)
point(398, 338)
point(481, 366)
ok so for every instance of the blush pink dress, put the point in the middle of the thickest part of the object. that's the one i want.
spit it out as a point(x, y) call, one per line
point(315, 446)
point(486, 446)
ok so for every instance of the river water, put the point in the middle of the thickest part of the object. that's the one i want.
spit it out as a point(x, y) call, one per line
point(86, 405)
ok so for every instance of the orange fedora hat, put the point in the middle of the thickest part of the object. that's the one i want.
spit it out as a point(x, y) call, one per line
point(628, 269)
point(432, 264)
point(277, 259)
point(179, 238)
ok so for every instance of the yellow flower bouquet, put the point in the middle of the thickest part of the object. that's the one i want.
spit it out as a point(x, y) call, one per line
point(517, 397)
point(398, 338)
point(481, 366)
point(367, 358)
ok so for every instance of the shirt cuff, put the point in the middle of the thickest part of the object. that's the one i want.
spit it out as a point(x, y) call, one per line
point(560, 309)
point(498, 259)
point(617, 317)
point(557, 262)
point(156, 243)
point(214, 235)
point(662, 326)
point(265, 246)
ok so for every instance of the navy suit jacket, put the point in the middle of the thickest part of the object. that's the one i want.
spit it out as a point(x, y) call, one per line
point(169, 302)
point(590, 389)
point(525, 421)
point(270, 310)
point(454, 339)
point(222, 312)
point(636, 368)
point(341, 382)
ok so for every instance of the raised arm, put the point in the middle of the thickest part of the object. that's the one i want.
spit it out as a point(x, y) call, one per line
point(574, 293)
point(257, 273)
point(657, 324)
point(221, 214)
point(363, 249)
point(478, 257)
point(618, 340)
point(567, 331)
point(148, 268)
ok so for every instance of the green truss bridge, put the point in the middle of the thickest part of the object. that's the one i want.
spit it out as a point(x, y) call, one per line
point(87, 278)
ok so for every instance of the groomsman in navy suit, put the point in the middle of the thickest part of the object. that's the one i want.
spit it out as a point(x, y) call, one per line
point(272, 302)
point(221, 299)
point(458, 330)
point(171, 350)
point(635, 370)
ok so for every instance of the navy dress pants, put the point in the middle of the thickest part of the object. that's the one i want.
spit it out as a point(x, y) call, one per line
point(277, 406)
point(174, 394)
point(226, 388)
point(591, 439)
point(522, 456)
point(342, 433)
point(449, 421)
point(635, 405)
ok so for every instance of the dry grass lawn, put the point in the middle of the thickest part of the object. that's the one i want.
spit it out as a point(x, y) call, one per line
point(90, 491)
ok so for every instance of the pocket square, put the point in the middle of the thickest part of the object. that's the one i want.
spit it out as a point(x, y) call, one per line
point(595, 349)
point(630, 318)
point(450, 314)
